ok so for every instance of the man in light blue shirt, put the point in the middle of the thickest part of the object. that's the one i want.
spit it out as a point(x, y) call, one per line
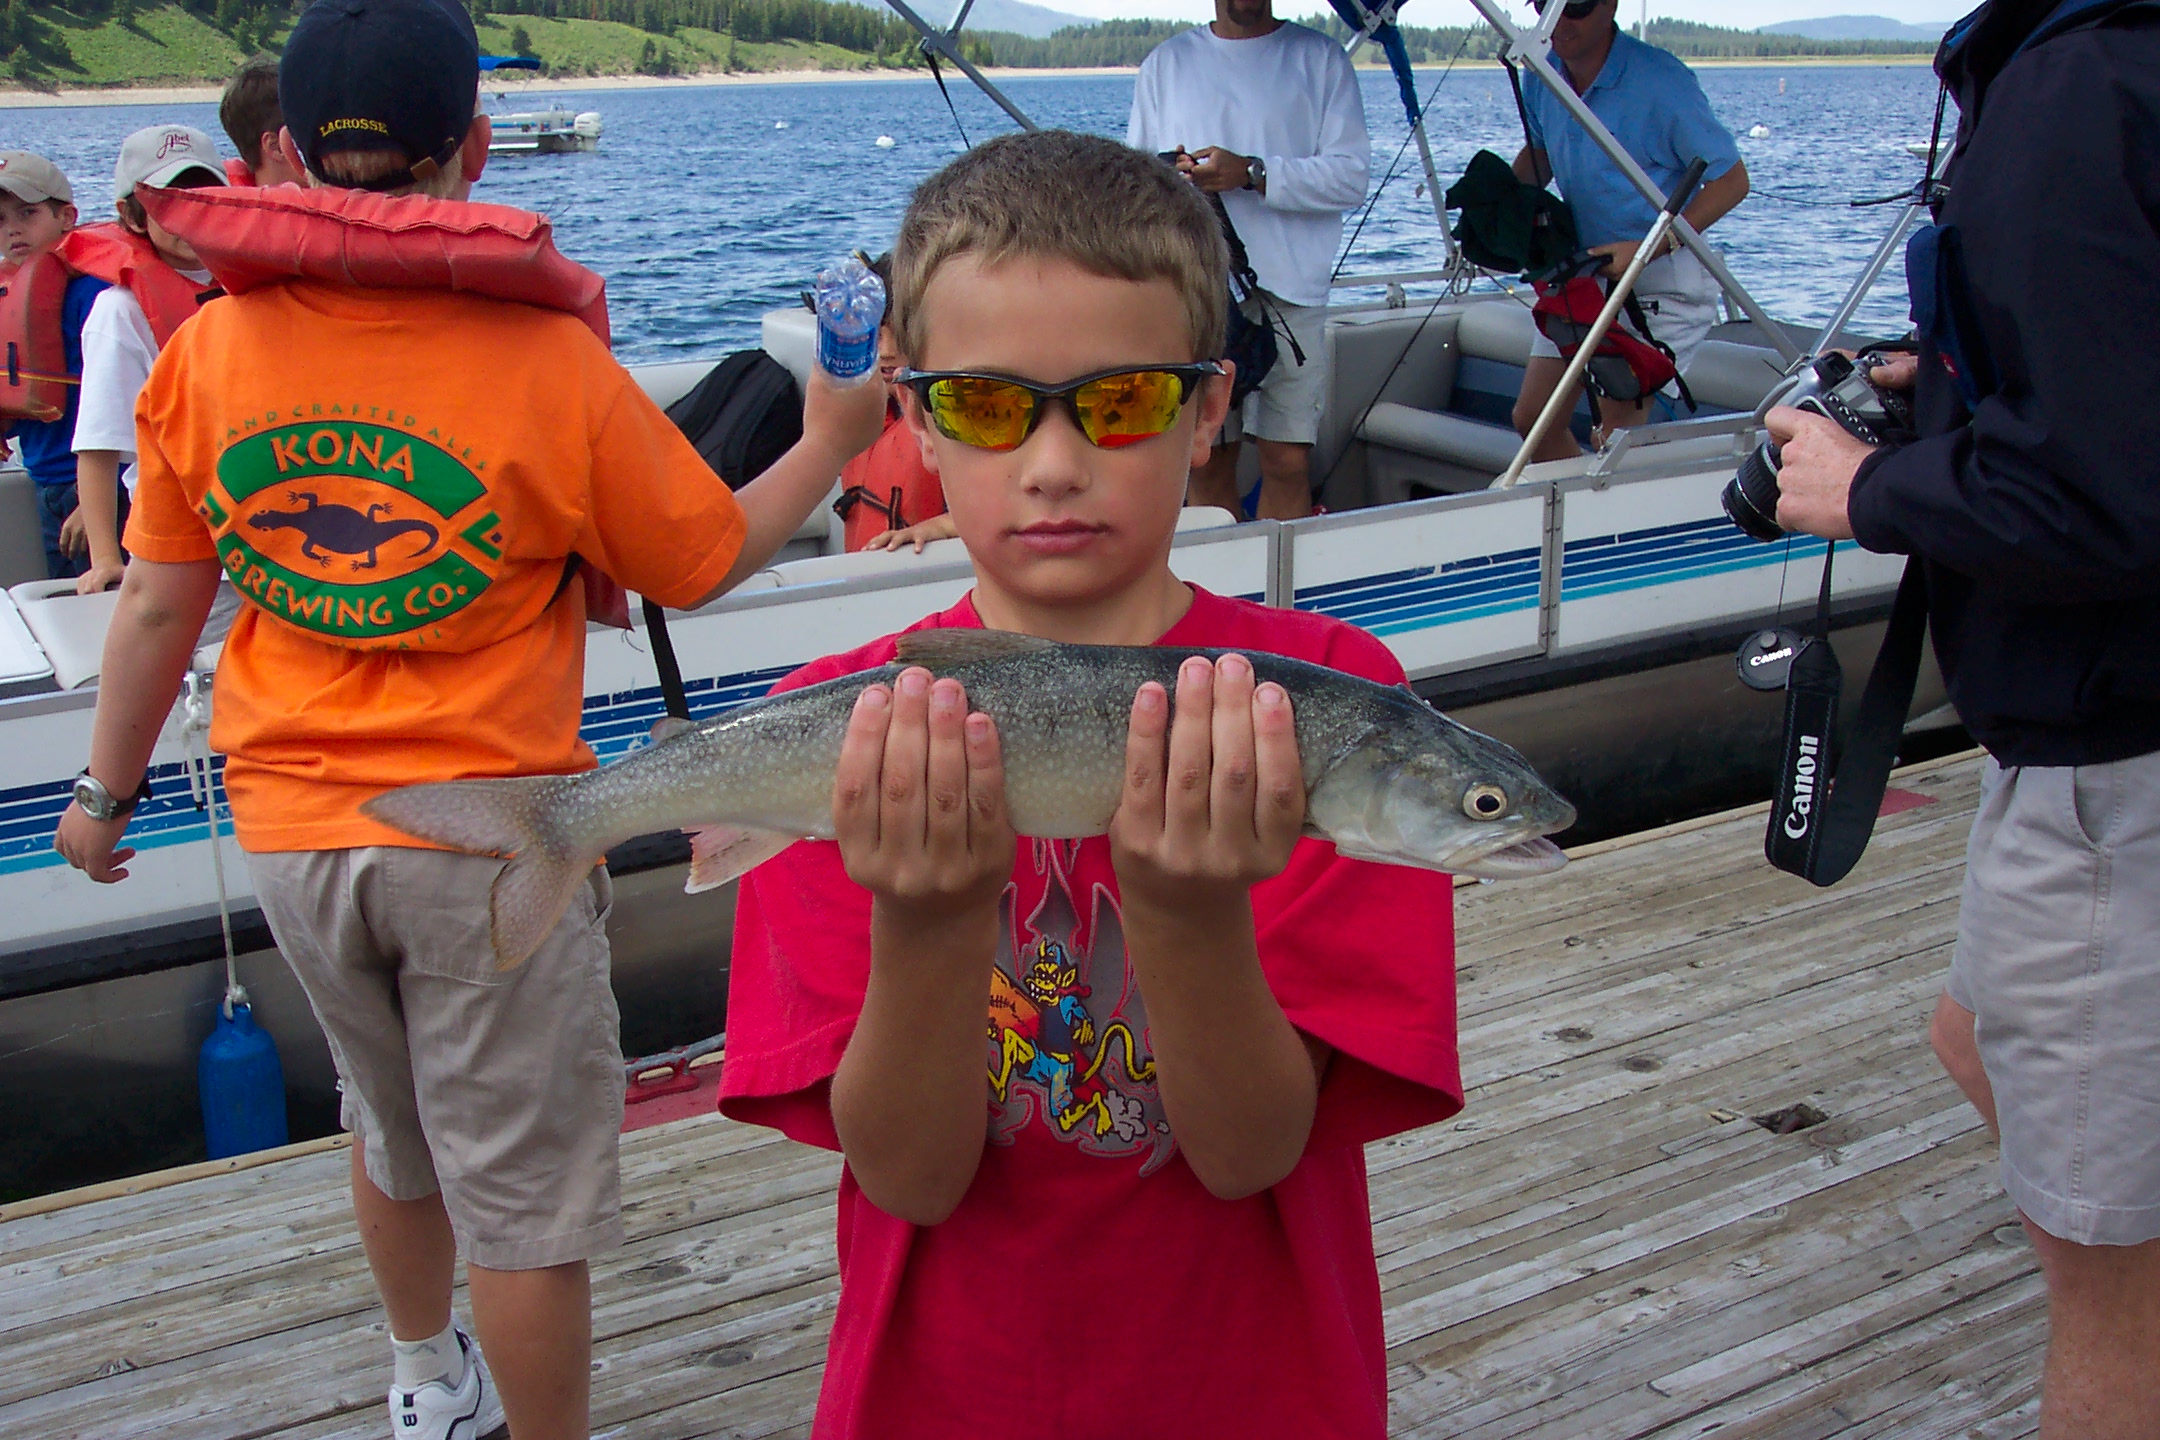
point(1655, 108)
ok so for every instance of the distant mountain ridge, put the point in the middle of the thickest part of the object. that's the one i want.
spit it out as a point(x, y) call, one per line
point(1855, 27)
point(1014, 17)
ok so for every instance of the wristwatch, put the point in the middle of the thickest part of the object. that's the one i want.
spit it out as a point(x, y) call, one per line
point(1256, 175)
point(97, 802)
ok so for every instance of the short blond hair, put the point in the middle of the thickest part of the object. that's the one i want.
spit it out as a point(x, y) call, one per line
point(1102, 206)
point(356, 169)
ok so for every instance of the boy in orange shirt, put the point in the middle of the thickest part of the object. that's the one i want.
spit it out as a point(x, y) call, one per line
point(397, 481)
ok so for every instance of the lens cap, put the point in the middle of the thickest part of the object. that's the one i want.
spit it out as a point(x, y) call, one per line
point(1766, 657)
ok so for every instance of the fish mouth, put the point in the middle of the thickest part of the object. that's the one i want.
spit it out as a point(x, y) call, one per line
point(1534, 856)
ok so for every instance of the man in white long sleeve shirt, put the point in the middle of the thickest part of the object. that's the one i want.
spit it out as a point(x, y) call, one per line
point(1267, 114)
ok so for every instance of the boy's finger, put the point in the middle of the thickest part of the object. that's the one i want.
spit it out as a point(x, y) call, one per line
point(856, 777)
point(1230, 741)
point(1185, 778)
point(987, 824)
point(1279, 795)
point(907, 757)
point(945, 796)
point(1144, 756)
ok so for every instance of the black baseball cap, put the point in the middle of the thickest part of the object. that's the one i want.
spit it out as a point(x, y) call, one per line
point(381, 74)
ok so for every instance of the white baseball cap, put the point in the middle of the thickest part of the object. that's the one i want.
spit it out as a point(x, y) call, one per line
point(31, 178)
point(161, 155)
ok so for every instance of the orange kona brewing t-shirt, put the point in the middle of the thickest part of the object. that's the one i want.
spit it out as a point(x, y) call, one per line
point(394, 482)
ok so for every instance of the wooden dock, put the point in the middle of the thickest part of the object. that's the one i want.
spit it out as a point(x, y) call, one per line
point(1604, 1244)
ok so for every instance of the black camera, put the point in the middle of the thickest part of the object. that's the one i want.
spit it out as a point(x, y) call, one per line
point(1831, 386)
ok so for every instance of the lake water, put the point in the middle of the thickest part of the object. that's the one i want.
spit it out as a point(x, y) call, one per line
point(705, 207)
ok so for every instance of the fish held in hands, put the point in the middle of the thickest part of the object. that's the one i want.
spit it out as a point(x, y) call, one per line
point(1387, 777)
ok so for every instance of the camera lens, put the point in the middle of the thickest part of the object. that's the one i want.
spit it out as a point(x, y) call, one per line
point(1751, 496)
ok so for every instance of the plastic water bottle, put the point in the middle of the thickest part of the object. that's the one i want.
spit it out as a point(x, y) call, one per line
point(850, 306)
point(242, 1086)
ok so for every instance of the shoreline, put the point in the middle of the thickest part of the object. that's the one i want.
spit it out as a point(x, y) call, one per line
point(87, 96)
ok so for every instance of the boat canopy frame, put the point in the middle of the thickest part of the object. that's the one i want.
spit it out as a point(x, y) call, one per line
point(1528, 46)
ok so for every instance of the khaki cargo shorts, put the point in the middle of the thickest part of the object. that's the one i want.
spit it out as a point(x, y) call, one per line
point(1287, 405)
point(503, 1090)
point(2058, 955)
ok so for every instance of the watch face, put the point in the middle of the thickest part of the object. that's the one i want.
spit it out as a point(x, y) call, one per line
point(92, 798)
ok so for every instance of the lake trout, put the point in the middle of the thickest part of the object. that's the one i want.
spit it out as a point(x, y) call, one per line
point(1387, 777)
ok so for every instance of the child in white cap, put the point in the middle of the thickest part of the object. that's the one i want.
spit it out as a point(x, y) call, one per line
point(127, 326)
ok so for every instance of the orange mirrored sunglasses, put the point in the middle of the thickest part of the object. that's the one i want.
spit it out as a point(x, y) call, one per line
point(1112, 408)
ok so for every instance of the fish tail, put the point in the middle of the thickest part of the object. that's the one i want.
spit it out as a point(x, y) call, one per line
point(511, 818)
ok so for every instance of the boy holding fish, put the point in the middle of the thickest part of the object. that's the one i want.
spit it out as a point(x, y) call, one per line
point(1134, 1057)
point(1132, 1074)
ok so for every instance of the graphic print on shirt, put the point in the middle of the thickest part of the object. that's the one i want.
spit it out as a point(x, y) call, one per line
point(1067, 1028)
point(356, 531)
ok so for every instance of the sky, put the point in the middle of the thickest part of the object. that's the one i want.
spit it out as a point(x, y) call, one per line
point(1741, 14)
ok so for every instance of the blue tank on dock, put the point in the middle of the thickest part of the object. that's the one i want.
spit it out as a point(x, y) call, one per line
point(242, 1085)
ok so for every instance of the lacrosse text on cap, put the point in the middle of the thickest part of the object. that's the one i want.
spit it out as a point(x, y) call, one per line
point(31, 178)
point(162, 154)
point(395, 75)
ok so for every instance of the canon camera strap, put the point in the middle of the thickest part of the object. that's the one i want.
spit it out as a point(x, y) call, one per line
point(1829, 795)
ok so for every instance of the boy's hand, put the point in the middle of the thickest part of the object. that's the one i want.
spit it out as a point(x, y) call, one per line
point(100, 577)
point(1218, 807)
point(845, 419)
point(937, 527)
point(919, 801)
point(88, 845)
point(74, 539)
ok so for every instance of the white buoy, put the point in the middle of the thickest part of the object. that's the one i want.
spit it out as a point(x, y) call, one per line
point(1781, 85)
point(779, 124)
point(1758, 131)
point(885, 142)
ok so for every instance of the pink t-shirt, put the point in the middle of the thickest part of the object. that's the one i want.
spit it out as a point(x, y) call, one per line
point(1088, 1284)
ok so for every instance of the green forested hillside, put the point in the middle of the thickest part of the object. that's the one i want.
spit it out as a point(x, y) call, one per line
point(145, 42)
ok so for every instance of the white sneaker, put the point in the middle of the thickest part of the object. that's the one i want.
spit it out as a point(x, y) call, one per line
point(434, 1411)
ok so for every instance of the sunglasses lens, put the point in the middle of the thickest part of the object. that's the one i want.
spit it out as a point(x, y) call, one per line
point(1121, 409)
point(987, 414)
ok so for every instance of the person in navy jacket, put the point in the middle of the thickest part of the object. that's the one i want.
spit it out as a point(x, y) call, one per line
point(2033, 501)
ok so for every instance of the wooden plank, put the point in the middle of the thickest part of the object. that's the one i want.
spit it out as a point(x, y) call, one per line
point(1585, 1253)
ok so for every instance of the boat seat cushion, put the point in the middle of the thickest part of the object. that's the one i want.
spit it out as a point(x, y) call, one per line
point(1438, 435)
point(22, 660)
point(70, 628)
point(1725, 376)
point(1497, 330)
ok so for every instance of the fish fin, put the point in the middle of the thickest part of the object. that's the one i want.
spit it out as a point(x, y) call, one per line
point(667, 727)
point(945, 648)
point(499, 817)
point(720, 853)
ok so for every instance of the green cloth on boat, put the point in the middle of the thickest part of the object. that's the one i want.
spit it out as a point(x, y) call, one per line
point(1507, 224)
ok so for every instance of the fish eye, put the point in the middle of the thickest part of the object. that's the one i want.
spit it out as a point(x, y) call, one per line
point(1485, 802)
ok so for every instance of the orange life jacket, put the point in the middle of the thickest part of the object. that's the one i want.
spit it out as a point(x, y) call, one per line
point(250, 238)
point(35, 376)
point(34, 382)
point(887, 487)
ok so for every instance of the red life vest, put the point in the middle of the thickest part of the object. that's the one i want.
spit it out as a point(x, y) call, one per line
point(887, 487)
point(35, 379)
point(35, 376)
point(1625, 367)
point(249, 238)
